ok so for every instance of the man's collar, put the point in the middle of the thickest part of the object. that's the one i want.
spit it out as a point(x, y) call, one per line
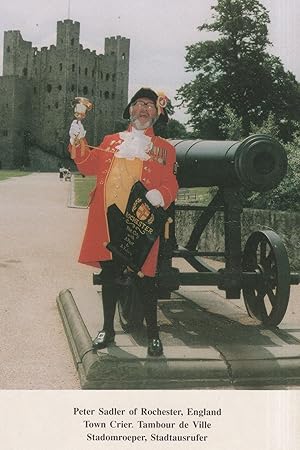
point(148, 131)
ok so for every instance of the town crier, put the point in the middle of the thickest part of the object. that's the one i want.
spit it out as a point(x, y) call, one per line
point(119, 161)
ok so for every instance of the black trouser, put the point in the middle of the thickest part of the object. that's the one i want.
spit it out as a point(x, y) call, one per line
point(111, 289)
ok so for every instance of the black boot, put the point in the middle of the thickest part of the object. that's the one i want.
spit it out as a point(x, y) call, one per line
point(148, 295)
point(103, 339)
point(109, 300)
point(155, 347)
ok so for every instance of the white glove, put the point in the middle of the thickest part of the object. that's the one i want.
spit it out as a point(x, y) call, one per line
point(76, 132)
point(155, 197)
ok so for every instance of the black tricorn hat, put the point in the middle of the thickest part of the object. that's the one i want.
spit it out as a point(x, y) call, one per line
point(152, 95)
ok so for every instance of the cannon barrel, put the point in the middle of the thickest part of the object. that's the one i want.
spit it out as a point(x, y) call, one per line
point(258, 163)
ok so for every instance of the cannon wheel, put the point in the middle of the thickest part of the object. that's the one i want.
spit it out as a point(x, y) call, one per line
point(131, 314)
point(265, 253)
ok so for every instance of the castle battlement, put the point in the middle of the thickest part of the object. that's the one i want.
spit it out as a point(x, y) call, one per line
point(56, 74)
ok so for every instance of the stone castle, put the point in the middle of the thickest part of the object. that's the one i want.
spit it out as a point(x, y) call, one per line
point(38, 86)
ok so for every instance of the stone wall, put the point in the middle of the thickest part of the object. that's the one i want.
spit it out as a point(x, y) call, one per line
point(285, 224)
point(53, 77)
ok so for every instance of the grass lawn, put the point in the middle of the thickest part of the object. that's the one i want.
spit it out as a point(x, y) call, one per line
point(5, 174)
point(82, 187)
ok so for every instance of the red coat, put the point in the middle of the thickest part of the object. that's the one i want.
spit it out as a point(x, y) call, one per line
point(154, 175)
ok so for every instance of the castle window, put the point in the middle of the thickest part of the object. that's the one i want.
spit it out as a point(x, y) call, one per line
point(73, 87)
point(85, 90)
point(8, 49)
point(34, 90)
point(49, 107)
point(113, 95)
point(101, 75)
point(60, 66)
point(50, 68)
point(49, 87)
point(72, 41)
point(59, 87)
point(107, 77)
point(85, 71)
point(56, 105)
point(123, 56)
point(113, 76)
point(112, 53)
point(73, 67)
point(106, 94)
point(5, 133)
point(79, 70)
point(25, 71)
point(92, 91)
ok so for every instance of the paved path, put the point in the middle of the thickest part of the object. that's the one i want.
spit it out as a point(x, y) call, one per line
point(40, 241)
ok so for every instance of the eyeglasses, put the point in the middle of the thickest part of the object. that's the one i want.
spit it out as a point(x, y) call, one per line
point(141, 104)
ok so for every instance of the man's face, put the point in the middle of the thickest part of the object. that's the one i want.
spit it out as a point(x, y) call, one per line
point(143, 113)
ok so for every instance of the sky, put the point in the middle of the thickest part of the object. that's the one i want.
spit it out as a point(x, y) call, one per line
point(159, 31)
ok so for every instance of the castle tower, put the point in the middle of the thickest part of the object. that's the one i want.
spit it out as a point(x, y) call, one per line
point(54, 77)
point(17, 55)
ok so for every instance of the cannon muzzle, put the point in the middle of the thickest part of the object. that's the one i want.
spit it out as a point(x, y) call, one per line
point(258, 163)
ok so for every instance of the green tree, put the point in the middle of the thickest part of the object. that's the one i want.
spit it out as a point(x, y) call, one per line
point(235, 71)
point(286, 196)
point(173, 129)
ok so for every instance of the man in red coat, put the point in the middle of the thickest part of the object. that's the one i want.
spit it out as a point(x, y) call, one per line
point(119, 161)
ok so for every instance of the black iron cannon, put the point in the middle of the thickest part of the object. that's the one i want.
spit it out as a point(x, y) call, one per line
point(261, 271)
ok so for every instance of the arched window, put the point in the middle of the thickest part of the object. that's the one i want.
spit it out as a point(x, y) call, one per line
point(25, 71)
point(85, 71)
point(59, 87)
point(85, 90)
point(106, 94)
point(8, 49)
point(113, 76)
point(107, 77)
point(49, 87)
point(73, 67)
point(72, 41)
point(60, 66)
point(56, 105)
point(73, 87)
point(101, 75)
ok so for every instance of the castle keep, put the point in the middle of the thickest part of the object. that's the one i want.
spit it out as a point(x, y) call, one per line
point(38, 86)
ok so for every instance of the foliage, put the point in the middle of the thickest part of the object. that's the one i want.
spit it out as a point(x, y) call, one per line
point(173, 130)
point(235, 73)
point(286, 196)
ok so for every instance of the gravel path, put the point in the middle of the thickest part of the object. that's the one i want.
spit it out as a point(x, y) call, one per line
point(40, 241)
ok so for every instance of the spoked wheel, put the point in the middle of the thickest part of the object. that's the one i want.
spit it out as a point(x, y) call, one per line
point(131, 313)
point(265, 254)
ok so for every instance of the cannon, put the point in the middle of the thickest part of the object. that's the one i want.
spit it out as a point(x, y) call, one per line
point(261, 271)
